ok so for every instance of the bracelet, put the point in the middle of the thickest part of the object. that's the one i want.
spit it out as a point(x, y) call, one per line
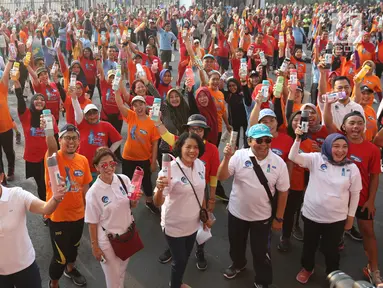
point(11, 60)
point(158, 125)
point(211, 200)
point(58, 201)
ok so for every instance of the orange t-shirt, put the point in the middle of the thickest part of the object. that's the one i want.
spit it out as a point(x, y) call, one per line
point(364, 55)
point(380, 52)
point(5, 116)
point(219, 101)
point(301, 68)
point(371, 122)
point(140, 137)
point(235, 40)
point(246, 42)
point(76, 173)
point(133, 70)
point(373, 82)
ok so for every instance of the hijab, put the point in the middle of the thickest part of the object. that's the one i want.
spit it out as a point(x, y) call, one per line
point(327, 149)
point(210, 113)
point(162, 74)
point(175, 117)
point(82, 98)
point(35, 114)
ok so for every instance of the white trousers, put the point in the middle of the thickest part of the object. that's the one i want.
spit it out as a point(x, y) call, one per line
point(114, 269)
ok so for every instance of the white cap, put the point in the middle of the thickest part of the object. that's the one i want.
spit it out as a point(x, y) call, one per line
point(138, 98)
point(90, 107)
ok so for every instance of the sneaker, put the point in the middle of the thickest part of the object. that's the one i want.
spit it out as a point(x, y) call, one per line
point(76, 277)
point(201, 261)
point(18, 137)
point(220, 194)
point(260, 285)
point(354, 234)
point(298, 233)
point(304, 276)
point(232, 272)
point(284, 244)
point(374, 277)
point(165, 257)
point(152, 207)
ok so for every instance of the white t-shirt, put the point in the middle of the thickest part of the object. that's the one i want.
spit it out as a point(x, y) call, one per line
point(16, 249)
point(109, 207)
point(328, 192)
point(180, 211)
point(248, 198)
point(339, 111)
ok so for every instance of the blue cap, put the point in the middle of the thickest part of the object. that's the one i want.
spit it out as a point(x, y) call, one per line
point(266, 112)
point(258, 131)
point(208, 56)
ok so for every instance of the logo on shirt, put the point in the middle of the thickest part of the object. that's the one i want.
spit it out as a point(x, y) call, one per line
point(184, 180)
point(201, 175)
point(96, 139)
point(277, 151)
point(78, 173)
point(323, 167)
point(248, 164)
point(143, 132)
point(37, 132)
point(105, 200)
point(355, 158)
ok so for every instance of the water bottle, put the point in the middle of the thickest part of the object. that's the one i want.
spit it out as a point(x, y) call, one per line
point(233, 140)
point(281, 40)
point(156, 110)
point(29, 42)
point(362, 73)
point(140, 70)
point(213, 31)
point(15, 71)
point(335, 95)
point(250, 51)
point(135, 184)
point(48, 122)
point(293, 79)
point(95, 48)
point(117, 78)
point(263, 58)
point(225, 137)
point(328, 56)
point(54, 173)
point(243, 69)
point(57, 44)
point(198, 62)
point(305, 121)
point(27, 59)
point(228, 74)
point(279, 86)
point(73, 80)
point(54, 69)
point(285, 65)
point(166, 165)
point(265, 90)
point(12, 51)
point(190, 76)
point(103, 37)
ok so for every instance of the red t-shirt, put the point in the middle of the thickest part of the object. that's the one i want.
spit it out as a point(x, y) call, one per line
point(35, 142)
point(163, 90)
point(235, 65)
point(256, 49)
point(90, 69)
point(211, 160)
point(281, 145)
point(367, 157)
point(271, 44)
point(108, 100)
point(95, 136)
point(51, 96)
point(223, 50)
point(320, 136)
point(69, 115)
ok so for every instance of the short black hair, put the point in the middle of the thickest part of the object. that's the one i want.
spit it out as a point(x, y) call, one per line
point(340, 78)
point(181, 141)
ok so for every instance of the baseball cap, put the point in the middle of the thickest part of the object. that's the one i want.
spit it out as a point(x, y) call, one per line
point(266, 112)
point(208, 56)
point(365, 88)
point(90, 107)
point(68, 128)
point(138, 98)
point(41, 70)
point(111, 73)
point(74, 62)
point(197, 120)
point(258, 131)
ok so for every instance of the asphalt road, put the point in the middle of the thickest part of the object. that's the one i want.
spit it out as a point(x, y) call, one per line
point(144, 270)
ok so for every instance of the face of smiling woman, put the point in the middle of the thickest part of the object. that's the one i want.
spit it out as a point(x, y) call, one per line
point(189, 152)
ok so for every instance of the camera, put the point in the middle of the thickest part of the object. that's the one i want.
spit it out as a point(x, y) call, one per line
point(339, 279)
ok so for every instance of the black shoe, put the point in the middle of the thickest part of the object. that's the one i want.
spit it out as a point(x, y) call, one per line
point(165, 257)
point(354, 234)
point(220, 194)
point(76, 277)
point(284, 244)
point(232, 272)
point(49, 284)
point(152, 208)
point(201, 261)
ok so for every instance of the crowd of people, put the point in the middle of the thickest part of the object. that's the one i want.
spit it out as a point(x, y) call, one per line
point(298, 149)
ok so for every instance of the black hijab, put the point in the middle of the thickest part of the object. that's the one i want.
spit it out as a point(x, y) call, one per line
point(35, 114)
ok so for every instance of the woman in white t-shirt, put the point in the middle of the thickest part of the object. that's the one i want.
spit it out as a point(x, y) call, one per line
point(108, 211)
point(330, 200)
point(18, 267)
point(180, 217)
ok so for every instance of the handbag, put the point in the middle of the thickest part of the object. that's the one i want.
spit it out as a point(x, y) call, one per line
point(129, 243)
point(262, 178)
point(203, 215)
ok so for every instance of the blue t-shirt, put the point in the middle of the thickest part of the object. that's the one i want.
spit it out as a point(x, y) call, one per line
point(166, 39)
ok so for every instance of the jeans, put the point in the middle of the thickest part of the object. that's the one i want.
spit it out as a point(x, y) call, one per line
point(180, 247)
point(27, 278)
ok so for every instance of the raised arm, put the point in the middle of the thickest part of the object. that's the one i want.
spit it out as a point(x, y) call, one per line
point(78, 114)
point(21, 106)
point(120, 103)
point(327, 117)
point(100, 69)
point(253, 119)
point(5, 78)
point(34, 78)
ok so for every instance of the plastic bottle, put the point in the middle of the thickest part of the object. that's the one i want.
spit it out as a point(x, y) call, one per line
point(335, 95)
point(29, 42)
point(54, 69)
point(49, 131)
point(54, 173)
point(57, 44)
point(166, 164)
point(73, 80)
point(190, 75)
point(279, 86)
point(95, 48)
point(293, 78)
point(228, 74)
point(12, 51)
point(140, 70)
point(27, 58)
point(225, 137)
point(305, 121)
point(328, 56)
point(265, 90)
point(213, 32)
point(362, 73)
point(103, 37)
point(15, 71)
point(156, 110)
point(281, 40)
point(135, 184)
point(233, 140)
point(117, 78)
point(250, 51)
point(285, 65)
point(263, 58)
point(140, 27)
point(243, 69)
point(198, 62)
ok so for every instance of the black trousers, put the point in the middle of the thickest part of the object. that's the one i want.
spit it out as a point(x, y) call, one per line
point(379, 69)
point(128, 167)
point(237, 128)
point(6, 144)
point(294, 201)
point(65, 239)
point(116, 123)
point(27, 278)
point(328, 234)
point(259, 242)
point(37, 170)
point(314, 93)
point(91, 89)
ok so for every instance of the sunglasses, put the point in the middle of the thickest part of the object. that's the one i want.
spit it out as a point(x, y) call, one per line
point(111, 164)
point(266, 140)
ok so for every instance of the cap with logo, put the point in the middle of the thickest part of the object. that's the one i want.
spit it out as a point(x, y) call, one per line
point(258, 131)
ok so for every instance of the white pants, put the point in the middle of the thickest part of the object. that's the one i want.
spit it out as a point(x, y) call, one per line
point(114, 269)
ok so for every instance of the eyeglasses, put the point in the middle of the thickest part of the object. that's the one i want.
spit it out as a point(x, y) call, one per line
point(196, 129)
point(69, 138)
point(266, 140)
point(111, 164)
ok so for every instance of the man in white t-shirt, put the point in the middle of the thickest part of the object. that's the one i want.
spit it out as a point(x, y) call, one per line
point(250, 208)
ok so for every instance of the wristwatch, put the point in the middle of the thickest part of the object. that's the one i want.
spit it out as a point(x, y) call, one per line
point(279, 220)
